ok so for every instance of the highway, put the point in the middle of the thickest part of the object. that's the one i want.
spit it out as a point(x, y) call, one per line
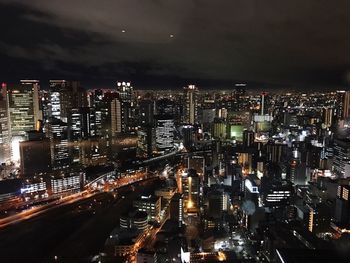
point(71, 232)
point(34, 211)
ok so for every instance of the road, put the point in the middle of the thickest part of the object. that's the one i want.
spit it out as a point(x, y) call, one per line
point(37, 210)
point(71, 232)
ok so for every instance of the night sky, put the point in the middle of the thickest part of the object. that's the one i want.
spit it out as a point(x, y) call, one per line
point(168, 43)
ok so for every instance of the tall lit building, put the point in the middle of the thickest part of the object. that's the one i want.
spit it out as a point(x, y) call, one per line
point(24, 112)
point(5, 135)
point(165, 133)
point(342, 205)
point(341, 157)
point(190, 104)
point(116, 113)
point(191, 190)
point(58, 133)
point(100, 101)
point(65, 95)
point(327, 116)
point(146, 129)
point(81, 126)
point(346, 105)
point(176, 208)
point(127, 104)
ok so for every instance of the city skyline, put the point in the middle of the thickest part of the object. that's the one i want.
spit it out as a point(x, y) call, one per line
point(161, 131)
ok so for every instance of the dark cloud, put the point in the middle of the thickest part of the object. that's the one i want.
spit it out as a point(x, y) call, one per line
point(296, 43)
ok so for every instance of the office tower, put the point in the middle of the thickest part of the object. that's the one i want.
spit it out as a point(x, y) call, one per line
point(340, 104)
point(125, 91)
point(5, 132)
point(342, 205)
point(191, 190)
point(190, 104)
point(57, 131)
point(35, 154)
point(100, 100)
point(81, 127)
point(264, 103)
point(188, 135)
point(117, 117)
point(23, 103)
point(127, 104)
point(65, 95)
point(82, 123)
point(346, 105)
point(328, 116)
point(177, 208)
point(341, 157)
point(146, 113)
point(146, 141)
point(165, 133)
point(44, 104)
point(146, 130)
point(23, 107)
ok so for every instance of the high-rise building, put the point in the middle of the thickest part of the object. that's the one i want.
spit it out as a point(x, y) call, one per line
point(81, 127)
point(328, 116)
point(5, 132)
point(57, 131)
point(188, 136)
point(177, 208)
point(165, 133)
point(191, 190)
point(190, 104)
point(82, 123)
point(264, 99)
point(146, 113)
point(117, 120)
point(342, 205)
point(346, 105)
point(127, 104)
point(100, 100)
point(24, 112)
point(341, 156)
point(65, 95)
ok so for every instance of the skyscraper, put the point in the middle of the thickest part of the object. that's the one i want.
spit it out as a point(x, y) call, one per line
point(346, 105)
point(65, 95)
point(127, 104)
point(190, 104)
point(165, 133)
point(5, 149)
point(23, 103)
point(117, 124)
point(58, 134)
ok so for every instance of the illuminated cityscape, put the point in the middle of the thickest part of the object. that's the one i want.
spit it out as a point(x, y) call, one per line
point(182, 132)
